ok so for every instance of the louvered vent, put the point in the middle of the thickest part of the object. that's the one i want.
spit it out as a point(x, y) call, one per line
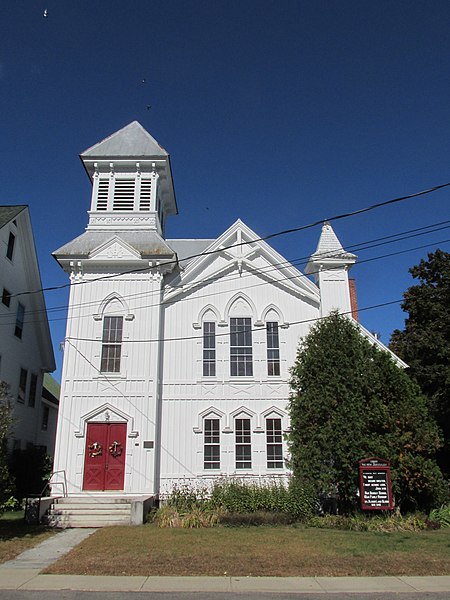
point(123, 194)
point(146, 190)
point(102, 195)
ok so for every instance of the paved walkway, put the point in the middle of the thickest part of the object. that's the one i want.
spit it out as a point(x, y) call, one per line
point(24, 573)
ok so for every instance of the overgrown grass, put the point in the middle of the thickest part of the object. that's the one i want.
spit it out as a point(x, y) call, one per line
point(16, 536)
point(258, 551)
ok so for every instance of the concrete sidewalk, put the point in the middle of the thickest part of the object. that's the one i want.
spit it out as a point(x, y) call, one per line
point(31, 579)
point(24, 573)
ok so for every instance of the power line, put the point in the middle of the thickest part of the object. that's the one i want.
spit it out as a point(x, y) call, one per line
point(227, 333)
point(281, 280)
point(267, 237)
point(360, 246)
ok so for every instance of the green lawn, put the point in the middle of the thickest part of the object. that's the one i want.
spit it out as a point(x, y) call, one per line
point(16, 536)
point(257, 551)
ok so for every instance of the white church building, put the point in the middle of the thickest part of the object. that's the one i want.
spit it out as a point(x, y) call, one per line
point(177, 351)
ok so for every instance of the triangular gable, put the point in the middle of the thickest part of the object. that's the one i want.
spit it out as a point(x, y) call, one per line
point(239, 249)
point(115, 249)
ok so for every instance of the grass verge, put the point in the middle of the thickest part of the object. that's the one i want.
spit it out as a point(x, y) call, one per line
point(258, 551)
point(16, 536)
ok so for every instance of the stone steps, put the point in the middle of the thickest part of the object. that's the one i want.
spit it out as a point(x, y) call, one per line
point(97, 511)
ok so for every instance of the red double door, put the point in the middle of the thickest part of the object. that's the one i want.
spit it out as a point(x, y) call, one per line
point(104, 459)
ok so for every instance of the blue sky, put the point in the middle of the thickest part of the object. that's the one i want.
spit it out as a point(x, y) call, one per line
point(279, 112)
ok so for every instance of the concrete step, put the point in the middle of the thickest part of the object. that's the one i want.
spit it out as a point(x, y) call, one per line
point(85, 522)
point(91, 507)
point(94, 500)
point(82, 512)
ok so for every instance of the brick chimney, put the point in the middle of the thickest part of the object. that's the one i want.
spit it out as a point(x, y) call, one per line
point(353, 301)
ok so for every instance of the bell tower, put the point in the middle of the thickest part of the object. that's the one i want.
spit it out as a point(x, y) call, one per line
point(132, 186)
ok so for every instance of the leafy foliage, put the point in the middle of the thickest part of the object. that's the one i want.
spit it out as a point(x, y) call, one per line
point(441, 515)
point(6, 480)
point(350, 401)
point(31, 468)
point(385, 524)
point(425, 342)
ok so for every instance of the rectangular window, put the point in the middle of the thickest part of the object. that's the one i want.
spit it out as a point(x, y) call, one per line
point(274, 441)
point(111, 344)
point(211, 444)
point(241, 352)
point(22, 385)
point(33, 389)
point(273, 348)
point(10, 249)
point(45, 417)
point(19, 320)
point(243, 444)
point(209, 349)
point(102, 194)
point(124, 194)
point(6, 297)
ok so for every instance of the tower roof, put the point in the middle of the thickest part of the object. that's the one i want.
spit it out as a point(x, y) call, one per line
point(329, 250)
point(132, 141)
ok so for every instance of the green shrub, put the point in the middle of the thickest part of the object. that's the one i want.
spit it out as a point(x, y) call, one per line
point(256, 519)
point(236, 496)
point(193, 518)
point(383, 523)
point(441, 515)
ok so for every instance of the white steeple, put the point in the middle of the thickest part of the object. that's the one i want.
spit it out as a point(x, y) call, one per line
point(329, 265)
point(132, 183)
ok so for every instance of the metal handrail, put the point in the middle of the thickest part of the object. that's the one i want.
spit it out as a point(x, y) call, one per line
point(44, 489)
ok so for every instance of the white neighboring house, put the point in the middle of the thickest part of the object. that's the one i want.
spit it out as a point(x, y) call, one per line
point(177, 351)
point(26, 353)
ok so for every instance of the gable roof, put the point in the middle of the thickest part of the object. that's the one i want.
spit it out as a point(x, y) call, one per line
point(8, 213)
point(132, 141)
point(240, 248)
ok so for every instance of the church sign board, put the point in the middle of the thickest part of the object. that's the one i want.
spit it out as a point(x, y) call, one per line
point(375, 484)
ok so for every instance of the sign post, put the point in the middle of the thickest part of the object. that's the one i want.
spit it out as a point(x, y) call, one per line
point(375, 484)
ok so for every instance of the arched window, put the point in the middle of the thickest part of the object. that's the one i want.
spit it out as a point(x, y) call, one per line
point(112, 336)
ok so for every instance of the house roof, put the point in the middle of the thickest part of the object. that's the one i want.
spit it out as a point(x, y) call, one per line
point(329, 245)
point(8, 213)
point(147, 243)
point(187, 249)
point(132, 141)
point(51, 389)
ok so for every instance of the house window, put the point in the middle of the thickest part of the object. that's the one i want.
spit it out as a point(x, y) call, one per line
point(6, 297)
point(45, 417)
point(211, 444)
point(19, 320)
point(273, 348)
point(274, 441)
point(243, 444)
point(10, 248)
point(209, 349)
point(241, 363)
point(33, 389)
point(111, 344)
point(22, 385)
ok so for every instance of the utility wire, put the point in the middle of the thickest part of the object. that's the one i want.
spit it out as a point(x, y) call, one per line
point(360, 246)
point(227, 333)
point(260, 239)
point(281, 280)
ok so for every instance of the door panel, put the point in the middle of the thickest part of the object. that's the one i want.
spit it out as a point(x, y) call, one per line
point(104, 461)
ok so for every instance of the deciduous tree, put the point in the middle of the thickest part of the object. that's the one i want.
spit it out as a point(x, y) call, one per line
point(425, 342)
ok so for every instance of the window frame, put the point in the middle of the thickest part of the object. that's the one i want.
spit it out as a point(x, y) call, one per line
point(22, 389)
point(33, 390)
point(112, 339)
point(20, 319)
point(11, 245)
point(211, 443)
point(209, 352)
point(6, 297)
point(274, 443)
point(241, 347)
point(273, 349)
point(243, 443)
point(45, 418)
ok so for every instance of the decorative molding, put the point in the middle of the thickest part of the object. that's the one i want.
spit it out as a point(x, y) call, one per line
point(105, 413)
point(211, 411)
